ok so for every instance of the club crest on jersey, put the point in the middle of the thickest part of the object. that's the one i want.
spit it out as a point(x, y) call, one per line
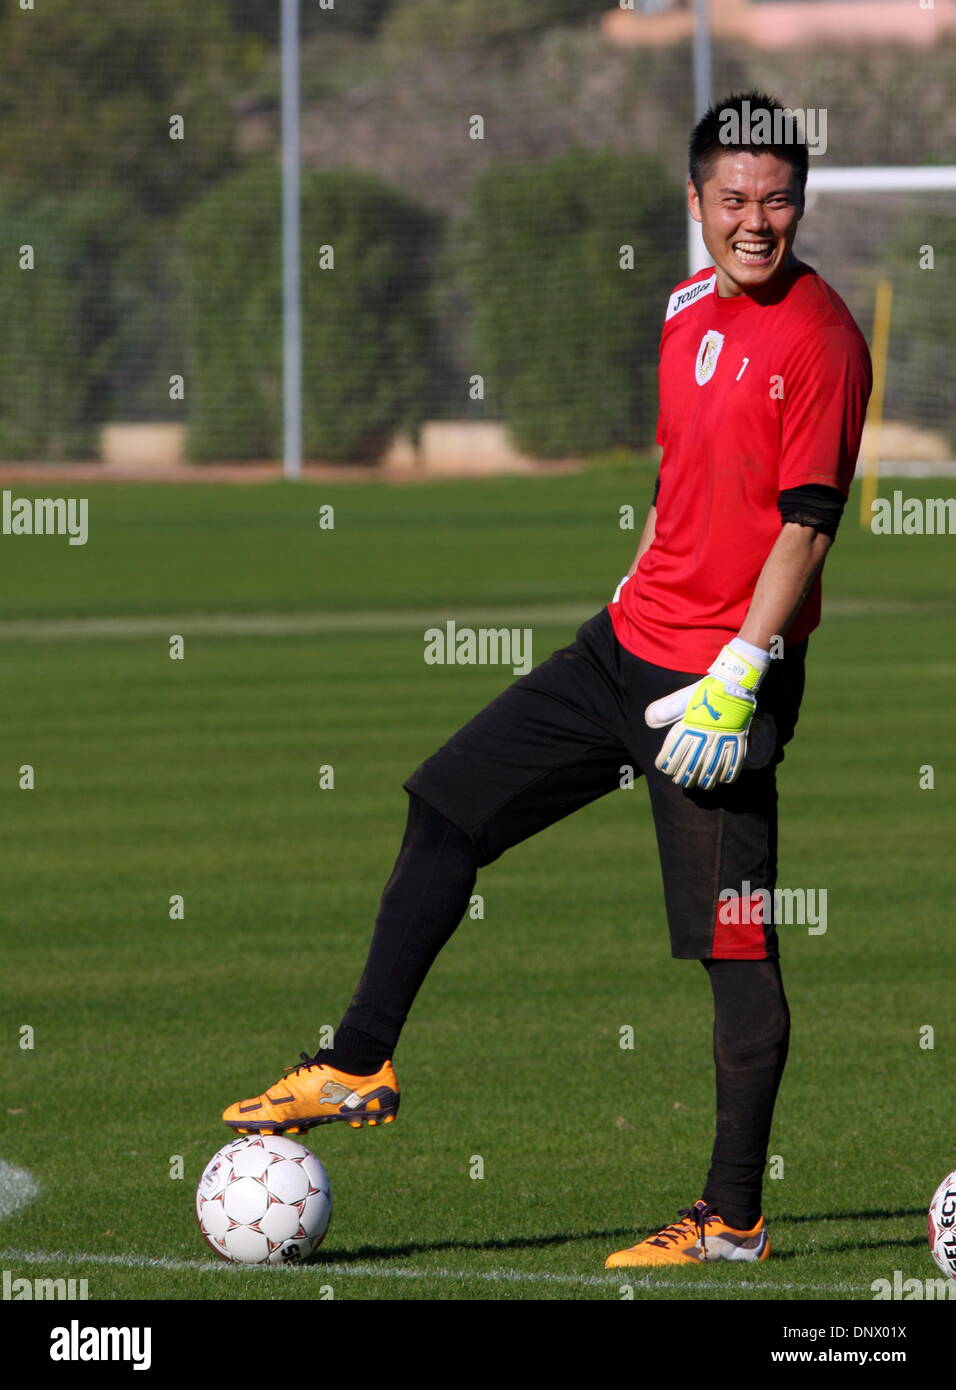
point(707, 354)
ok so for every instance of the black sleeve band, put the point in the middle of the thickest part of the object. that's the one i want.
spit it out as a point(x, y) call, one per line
point(657, 488)
point(812, 505)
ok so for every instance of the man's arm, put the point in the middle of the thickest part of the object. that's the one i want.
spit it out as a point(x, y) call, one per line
point(787, 576)
point(703, 749)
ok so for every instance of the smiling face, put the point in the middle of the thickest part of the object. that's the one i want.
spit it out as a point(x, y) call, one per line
point(748, 210)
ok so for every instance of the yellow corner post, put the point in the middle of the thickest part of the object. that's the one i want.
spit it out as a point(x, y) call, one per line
point(874, 416)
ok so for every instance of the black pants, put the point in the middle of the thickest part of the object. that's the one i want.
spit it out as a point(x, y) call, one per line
point(571, 729)
point(554, 741)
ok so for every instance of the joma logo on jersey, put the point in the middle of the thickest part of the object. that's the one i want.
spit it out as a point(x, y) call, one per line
point(707, 354)
point(680, 299)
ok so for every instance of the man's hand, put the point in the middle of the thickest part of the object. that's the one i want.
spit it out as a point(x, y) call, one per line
point(708, 743)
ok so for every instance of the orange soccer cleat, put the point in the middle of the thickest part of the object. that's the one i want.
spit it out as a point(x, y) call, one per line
point(313, 1093)
point(700, 1237)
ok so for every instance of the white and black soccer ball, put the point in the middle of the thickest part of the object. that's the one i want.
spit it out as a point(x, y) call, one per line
point(941, 1226)
point(264, 1200)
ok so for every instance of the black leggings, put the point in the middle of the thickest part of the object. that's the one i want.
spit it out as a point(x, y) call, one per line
point(751, 1038)
point(424, 900)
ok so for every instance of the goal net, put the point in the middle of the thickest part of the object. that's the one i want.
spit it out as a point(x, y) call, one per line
point(897, 225)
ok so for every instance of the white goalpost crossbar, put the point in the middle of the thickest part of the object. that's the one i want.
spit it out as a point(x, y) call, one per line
point(874, 178)
point(888, 178)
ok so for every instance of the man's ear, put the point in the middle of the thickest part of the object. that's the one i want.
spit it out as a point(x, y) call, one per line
point(801, 199)
point(693, 202)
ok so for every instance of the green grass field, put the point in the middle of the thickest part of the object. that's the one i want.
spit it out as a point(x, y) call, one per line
point(200, 777)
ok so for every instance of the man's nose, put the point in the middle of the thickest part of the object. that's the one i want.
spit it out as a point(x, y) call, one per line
point(755, 218)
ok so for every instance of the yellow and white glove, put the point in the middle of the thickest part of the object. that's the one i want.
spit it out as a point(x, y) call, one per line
point(708, 742)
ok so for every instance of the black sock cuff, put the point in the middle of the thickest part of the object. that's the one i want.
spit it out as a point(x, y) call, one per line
point(356, 1052)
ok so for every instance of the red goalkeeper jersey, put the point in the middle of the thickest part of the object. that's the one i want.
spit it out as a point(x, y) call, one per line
point(758, 393)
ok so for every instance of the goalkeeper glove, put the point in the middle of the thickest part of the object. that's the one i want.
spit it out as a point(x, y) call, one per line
point(708, 743)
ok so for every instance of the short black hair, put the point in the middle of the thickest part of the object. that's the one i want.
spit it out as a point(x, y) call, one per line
point(722, 128)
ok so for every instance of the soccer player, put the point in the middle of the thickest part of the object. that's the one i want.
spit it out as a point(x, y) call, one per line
point(693, 674)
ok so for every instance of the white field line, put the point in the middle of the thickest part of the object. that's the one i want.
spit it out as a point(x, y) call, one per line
point(281, 624)
point(139, 626)
point(323, 1272)
point(17, 1189)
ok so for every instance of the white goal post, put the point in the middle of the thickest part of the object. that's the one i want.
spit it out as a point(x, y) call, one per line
point(864, 178)
point(851, 233)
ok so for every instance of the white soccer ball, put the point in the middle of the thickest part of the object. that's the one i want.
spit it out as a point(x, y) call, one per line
point(941, 1225)
point(264, 1200)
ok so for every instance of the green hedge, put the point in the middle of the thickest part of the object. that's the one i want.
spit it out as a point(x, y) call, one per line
point(60, 321)
point(87, 92)
point(367, 331)
point(565, 338)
